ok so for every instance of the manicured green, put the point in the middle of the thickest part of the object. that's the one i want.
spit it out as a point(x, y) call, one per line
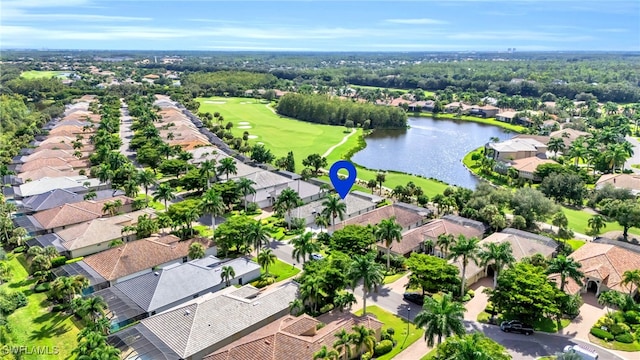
point(35, 324)
point(279, 134)
point(615, 345)
point(392, 278)
point(576, 244)
point(281, 270)
point(579, 222)
point(488, 121)
point(399, 325)
point(36, 74)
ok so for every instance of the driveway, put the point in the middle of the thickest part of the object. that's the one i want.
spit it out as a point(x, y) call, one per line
point(590, 312)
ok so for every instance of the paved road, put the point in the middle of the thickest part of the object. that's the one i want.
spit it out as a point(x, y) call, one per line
point(521, 347)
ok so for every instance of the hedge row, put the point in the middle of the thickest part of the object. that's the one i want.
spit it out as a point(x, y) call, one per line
point(602, 334)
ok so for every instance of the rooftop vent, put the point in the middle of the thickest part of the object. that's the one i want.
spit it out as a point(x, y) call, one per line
point(156, 273)
point(187, 313)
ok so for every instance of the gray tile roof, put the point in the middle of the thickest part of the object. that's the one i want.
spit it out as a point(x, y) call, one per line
point(163, 287)
point(355, 205)
point(200, 326)
point(59, 197)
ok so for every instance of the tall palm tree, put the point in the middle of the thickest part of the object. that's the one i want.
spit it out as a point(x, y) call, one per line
point(566, 267)
point(440, 318)
point(556, 145)
point(95, 307)
point(596, 223)
point(325, 353)
point(444, 243)
point(343, 344)
point(131, 187)
point(266, 258)
point(207, 168)
point(165, 193)
point(335, 208)
point(245, 186)
point(364, 268)
point(466, 249)
point(380, 178)
point(610, 298)
point(498, 254)
point(102, 325)
point(312, 290)
point(146, 179)
point(257, 236)
point(631, 278)
point(304, 246)
point(361, 337)
point(212, 204)
point(388, 231)
point(322, 220)
point(227, 274)
point(227, 166)
point(287, 201)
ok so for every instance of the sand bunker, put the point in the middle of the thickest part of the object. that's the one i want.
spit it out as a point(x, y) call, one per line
point(215, 102)
point(252, 136)
point(244, 127)
point(243, 123)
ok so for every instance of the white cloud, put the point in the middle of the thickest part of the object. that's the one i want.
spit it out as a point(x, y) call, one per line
point(18, 16)
point(286, 33)
point(422, 21)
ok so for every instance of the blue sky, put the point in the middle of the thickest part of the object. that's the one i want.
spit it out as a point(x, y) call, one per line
point(444, 25)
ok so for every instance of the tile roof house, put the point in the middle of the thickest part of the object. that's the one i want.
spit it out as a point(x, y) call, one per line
point(294, 337)
point(138, 257)
point(620, 181)
point(208, 323)
point(42, 185)
point(356, 205)
point(603, 266)
point(523, 244)
point(413, 240)
point(516, 148)
point(485, 111)
point(569, 135)
point(456, 106)
point(408, 216)
point(57, 197)
point(527, 166)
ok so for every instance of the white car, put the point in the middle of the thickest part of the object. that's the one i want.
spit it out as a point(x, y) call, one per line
point(585, 353)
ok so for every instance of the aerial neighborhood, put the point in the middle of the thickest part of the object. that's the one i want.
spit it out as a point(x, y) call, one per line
point(159, 205)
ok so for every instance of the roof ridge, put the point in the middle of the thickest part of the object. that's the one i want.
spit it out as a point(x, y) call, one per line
point(121, 252)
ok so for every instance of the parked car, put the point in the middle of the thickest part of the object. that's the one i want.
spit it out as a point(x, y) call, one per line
point(583, 352)
point(414, 298)
point(516, 327)
point(317, 257)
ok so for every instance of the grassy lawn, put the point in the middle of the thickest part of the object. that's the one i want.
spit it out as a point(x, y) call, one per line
point(303, 138)
point(156, 205)
point(615, 345)
point(576, 244)
point(546, 325)
point(204, 230)
point(35, 74)
point(35, 324)
point(488, 121)
point(578, 222)
point(392, 278)
point(430, 354)
point(281, 270)
point(402, 339)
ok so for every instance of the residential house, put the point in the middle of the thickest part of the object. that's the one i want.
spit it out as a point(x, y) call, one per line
point(406, 215)
point(414, 240)
point(621, 181)
point(455, 107)
point(48, 172)
point(355, 205)
point(523, 244)
point(426, 106)
point(516, 148)
point(603, 266)
point(173, 285)
point(206, 324)
point(569, 135)
point(485, 111)
point(58, 197)
point(295, 337)
point(78, 184)
point(527, 166)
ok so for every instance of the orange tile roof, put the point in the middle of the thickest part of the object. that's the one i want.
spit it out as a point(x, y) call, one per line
point(403, 216)
point(69, 214)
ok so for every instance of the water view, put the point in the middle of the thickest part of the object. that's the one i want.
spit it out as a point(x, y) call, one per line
point(431, 148)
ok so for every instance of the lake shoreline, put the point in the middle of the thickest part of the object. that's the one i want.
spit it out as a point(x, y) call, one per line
point(487, 121)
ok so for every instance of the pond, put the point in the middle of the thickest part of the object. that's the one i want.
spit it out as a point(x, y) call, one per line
point(429, 147)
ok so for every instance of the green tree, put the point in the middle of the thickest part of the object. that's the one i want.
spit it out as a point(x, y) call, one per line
point(212, 204)
point(227, 166)
point(196, 251)
point(444, 242)
point(465, 249)
point(556, 145)
point(165, 193)
point(260, 154)
point(627, 214)
point(596, 223)
point(497, 254)
point(476, 346)
point(325, 353)
point(566, 267)
point(266, 258)
point(146, 179)
point(388, 231)
point(372, 184)
point(303, 246)
point(440, 318)
point(361, 337)
point(631, 278)
point(95, 307)
point(257, 236)
point(380, 178)
point(316, 162)
point(335, 208)
point(245, 186)
point(227, 274)
point(353, 239)
point(365, 269)
point(343, 343)
point(287, 201)
point(532, 205)
point(432, 274)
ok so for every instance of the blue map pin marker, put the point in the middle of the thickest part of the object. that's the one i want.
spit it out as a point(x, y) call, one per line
point(342, 186)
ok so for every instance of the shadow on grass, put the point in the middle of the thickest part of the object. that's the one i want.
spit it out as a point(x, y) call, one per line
point(49, 331)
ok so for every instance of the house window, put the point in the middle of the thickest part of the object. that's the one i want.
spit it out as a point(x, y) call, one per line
point(184, 259)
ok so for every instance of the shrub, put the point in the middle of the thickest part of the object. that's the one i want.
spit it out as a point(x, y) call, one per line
point(71, 261)
point(391, 331)
point(386, 336)
point(605, 321)
point(42, 287)
point(252, 208)
point(18, 250)
point(383, 347)
point(466, 298)
point(320, 325)
point(625, 338)
point(601, 334)
point(58, 261)
point(326, 308)
point(11, 300)
point(632, 317)
point(620, 328)
point(471, 293)
point(366, 356)
point(58, 308)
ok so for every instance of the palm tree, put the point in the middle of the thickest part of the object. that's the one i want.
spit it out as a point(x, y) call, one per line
point(165, 193)
point(498, 254)
point(322, 220)
point(257, 236)
point(387, 231)
point(471, 347)
point(363, 336)
point(467, 249)
point(596, 223)
point(312, 290)
point(566, 267)
point(325, 353)
point(556, 145)
point(266, 258)
point(212, 204)
point(365, 269)
point(343, 343)
point(227, 166)
point(335, 208)
point(372, 184)
point(245, 186)
point(102, 325)
point(380, 178)
point(304, 245)
point(287, 201)
point(227, 274)
point(440, 318)
point(444, 243)
point(610, 298)
point(95, 307)
point(146, 179)
point(131, 187)
point(631, 278)
point(207, 168)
